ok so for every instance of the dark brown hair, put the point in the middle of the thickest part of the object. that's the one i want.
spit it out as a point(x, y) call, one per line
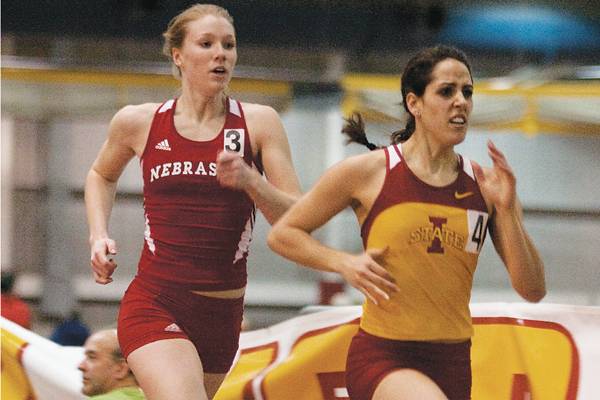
point(415, 78)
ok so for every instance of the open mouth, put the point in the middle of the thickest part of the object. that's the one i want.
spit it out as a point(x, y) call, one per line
point(458, 121)
point(219, 71)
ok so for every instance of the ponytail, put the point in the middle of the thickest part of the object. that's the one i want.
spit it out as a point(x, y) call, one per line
point(354, 129)
point(404, 134)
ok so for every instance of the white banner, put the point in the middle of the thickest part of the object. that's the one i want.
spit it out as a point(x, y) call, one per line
point(520, 351)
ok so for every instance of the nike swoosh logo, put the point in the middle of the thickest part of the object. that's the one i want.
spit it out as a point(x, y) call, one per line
point(460, 196)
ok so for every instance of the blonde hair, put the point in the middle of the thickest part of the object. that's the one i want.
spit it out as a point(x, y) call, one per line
point(177, 27)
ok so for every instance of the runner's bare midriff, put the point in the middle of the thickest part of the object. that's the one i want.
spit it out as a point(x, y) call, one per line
point(222, 294)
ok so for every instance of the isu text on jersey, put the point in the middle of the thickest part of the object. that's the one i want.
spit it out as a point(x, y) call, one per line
point(197, 232)
point(433, 237)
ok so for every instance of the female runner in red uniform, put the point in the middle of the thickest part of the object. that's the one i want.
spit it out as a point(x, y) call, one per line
point(424, 211)
point(201, 155)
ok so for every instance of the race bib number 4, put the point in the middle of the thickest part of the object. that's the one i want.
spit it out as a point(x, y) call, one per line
point(477, 221)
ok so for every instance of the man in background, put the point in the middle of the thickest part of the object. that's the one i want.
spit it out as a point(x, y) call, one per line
point(13, 308)
point(106, 375)
point(71, 331)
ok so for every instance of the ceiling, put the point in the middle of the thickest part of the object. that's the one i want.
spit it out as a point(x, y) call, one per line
point(322, 35)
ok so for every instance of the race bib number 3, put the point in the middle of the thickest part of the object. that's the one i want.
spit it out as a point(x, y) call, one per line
point(234, 141)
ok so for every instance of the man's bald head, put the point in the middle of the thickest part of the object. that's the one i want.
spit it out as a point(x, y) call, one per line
point(104, 368)
point(108, 341)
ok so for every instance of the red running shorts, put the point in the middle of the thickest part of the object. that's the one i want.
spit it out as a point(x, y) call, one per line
point(151, 312)
point(371, 358)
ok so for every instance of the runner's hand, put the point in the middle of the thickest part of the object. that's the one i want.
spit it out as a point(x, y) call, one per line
point(365, 274)
point(232, 171)
point(497, 184)
point(103, 265)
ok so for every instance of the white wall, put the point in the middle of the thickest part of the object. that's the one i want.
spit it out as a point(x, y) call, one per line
point(6, 200)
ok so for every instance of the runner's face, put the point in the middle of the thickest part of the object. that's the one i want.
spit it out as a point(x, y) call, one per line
point(208, 54)
point(447, 102)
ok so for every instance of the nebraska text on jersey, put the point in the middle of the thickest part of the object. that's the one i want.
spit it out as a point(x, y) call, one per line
point(183, 168)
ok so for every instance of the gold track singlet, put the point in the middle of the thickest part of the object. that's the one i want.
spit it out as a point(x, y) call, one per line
point(434, 235)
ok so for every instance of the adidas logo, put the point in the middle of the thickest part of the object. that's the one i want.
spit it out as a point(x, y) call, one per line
point(173, 328)
point(163, 145)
